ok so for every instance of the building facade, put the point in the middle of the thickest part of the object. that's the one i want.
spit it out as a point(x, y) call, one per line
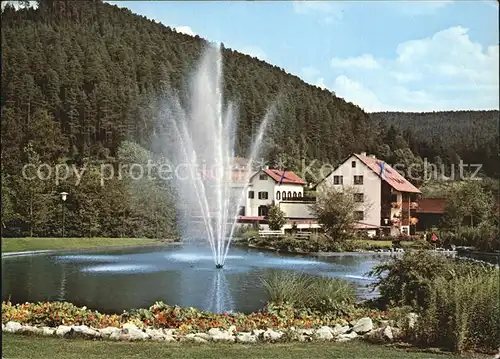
point(271, 186)
point(387, 201)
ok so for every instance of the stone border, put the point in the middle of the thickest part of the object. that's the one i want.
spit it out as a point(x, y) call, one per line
point(363, 328)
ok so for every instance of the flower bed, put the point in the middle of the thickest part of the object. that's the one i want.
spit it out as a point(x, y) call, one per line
point(170, 324)
point(160, 315)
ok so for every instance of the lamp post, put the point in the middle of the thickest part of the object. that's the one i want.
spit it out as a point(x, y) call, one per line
point(64, 196)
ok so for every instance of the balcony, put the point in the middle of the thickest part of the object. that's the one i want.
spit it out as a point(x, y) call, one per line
point(396, 204)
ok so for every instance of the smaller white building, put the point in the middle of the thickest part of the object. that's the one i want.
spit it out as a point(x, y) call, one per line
point(271, 186)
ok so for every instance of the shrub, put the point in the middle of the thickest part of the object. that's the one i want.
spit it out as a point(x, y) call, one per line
point(320, 294)
point(463, 313)
point(406, 280)
point(286, 287)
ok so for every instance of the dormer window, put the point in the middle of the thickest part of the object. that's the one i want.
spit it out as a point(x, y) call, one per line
point(263, 177)
point(353, 164)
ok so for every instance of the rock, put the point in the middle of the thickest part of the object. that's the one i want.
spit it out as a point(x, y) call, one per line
point(117, 335)
point(412, 320)
point(223, 337)
point(380, 335)
point(396, 333)
point(28, 329)
point(203, 336)
point(129, 325)
point(364, 325)
point(169, 332)
point(339, 329)
point(133, 333)
point(156, 335)
point(219, 335)
point(48, 331)
point(387, 333)
point(384, 323)
point(306, 332)
point(347, 337)
point(271, 335)
point(324, 333)
point(246, 337)
point(260, 332)
point(84, 331)
point(343, 322)
point(214, 332)
point(62, 330)
point(12, 327)
point(106, 332)
point(304, 338)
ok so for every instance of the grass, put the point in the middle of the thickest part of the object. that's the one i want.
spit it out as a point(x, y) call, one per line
point(31, 347)
point(33, 244)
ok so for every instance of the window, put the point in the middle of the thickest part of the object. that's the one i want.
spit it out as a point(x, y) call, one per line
point(359, 197)
point(241, 211)
point(262, 211)
point(294, 194)
point(263, 177)
point(289, 196)
point(250, 194)
point(353, 164)
point(358, 180)
point(283, 195)
point(338, 179)
point(299, 194)
point(394, 197)
point(359, 215)
point(262, 195)
point(278, 195)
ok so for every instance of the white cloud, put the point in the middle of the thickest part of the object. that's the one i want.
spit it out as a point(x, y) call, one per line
point(419, 7)
point(446, 71)
point(254, 51)
point(365, 61)
point(185, 30)
point(327, 11)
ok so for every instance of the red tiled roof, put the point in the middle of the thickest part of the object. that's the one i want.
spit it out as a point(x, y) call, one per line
point(390, 175)
point(289, 177)
point(431, 205)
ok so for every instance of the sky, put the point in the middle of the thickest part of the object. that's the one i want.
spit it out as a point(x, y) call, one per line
point(381, 55)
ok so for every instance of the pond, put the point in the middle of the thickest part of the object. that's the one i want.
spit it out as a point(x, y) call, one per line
point(122, 279)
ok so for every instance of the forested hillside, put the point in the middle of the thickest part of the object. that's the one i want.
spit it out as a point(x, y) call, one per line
point(81, 82)
point(472, 136)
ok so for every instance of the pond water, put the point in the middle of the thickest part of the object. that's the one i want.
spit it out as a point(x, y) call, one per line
point(117, 280)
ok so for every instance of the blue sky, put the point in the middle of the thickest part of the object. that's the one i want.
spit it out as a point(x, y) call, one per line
point(382, 55)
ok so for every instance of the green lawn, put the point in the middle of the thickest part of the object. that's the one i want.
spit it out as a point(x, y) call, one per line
point(30, 347)
point(33, 244)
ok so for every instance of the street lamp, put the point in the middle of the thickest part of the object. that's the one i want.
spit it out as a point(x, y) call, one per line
point(64, 196)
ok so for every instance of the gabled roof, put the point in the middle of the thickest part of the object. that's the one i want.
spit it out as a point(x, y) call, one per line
point(389, 175)
point(289, 176)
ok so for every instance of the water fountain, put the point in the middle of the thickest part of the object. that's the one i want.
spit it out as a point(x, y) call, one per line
point(202, 143)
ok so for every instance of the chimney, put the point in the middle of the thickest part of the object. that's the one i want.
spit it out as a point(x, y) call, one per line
point(363, 153)
point(373, 156)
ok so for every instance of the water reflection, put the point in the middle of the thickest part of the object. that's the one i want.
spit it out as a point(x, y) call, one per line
point(117, 280)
